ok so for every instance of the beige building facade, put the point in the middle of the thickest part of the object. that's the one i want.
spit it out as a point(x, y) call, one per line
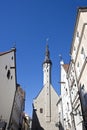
point(18, 109)
point(60, 123)
point(79, 57)
point(73, 81)
point(45, 114)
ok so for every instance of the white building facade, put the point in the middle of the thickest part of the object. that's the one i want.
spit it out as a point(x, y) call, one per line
point(65, 97)
point(7, 85)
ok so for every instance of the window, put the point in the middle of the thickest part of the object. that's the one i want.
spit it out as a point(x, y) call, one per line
point(82, 50)
point(66, 91)
point(8, 74)
point(68, 106)
point(77, 34)
point(83, 53)
point(6, 67)
point(78, 64)
point(78, 69)
point(41, 110)
point(75, 85)
point(12, 57)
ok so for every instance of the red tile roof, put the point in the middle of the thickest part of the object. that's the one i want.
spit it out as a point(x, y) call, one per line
point(66, 66)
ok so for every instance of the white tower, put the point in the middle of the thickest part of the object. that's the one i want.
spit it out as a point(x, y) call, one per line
point(46, 83)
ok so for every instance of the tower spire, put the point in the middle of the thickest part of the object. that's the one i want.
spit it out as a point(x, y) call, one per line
point(47, 55)
point(47, 67)
point(47, 83)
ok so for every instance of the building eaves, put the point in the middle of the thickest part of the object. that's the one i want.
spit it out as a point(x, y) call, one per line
point(3, 53)
point(80, 9)
point(66, 66)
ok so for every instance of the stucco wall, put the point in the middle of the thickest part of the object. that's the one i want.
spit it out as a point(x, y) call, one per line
point(7, 84)
point(40, 102)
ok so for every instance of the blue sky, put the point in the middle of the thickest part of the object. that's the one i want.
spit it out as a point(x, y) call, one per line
point(28, 23)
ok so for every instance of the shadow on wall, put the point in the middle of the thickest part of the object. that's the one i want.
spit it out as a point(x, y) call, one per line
point(35, 122)
point(83, 99)
point(60, 126)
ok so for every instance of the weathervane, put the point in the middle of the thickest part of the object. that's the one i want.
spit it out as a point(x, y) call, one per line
point(60, 57)
point(14, 45)
point(47, 39)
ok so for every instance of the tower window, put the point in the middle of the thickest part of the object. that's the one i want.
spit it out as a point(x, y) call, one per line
point(41, 110)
